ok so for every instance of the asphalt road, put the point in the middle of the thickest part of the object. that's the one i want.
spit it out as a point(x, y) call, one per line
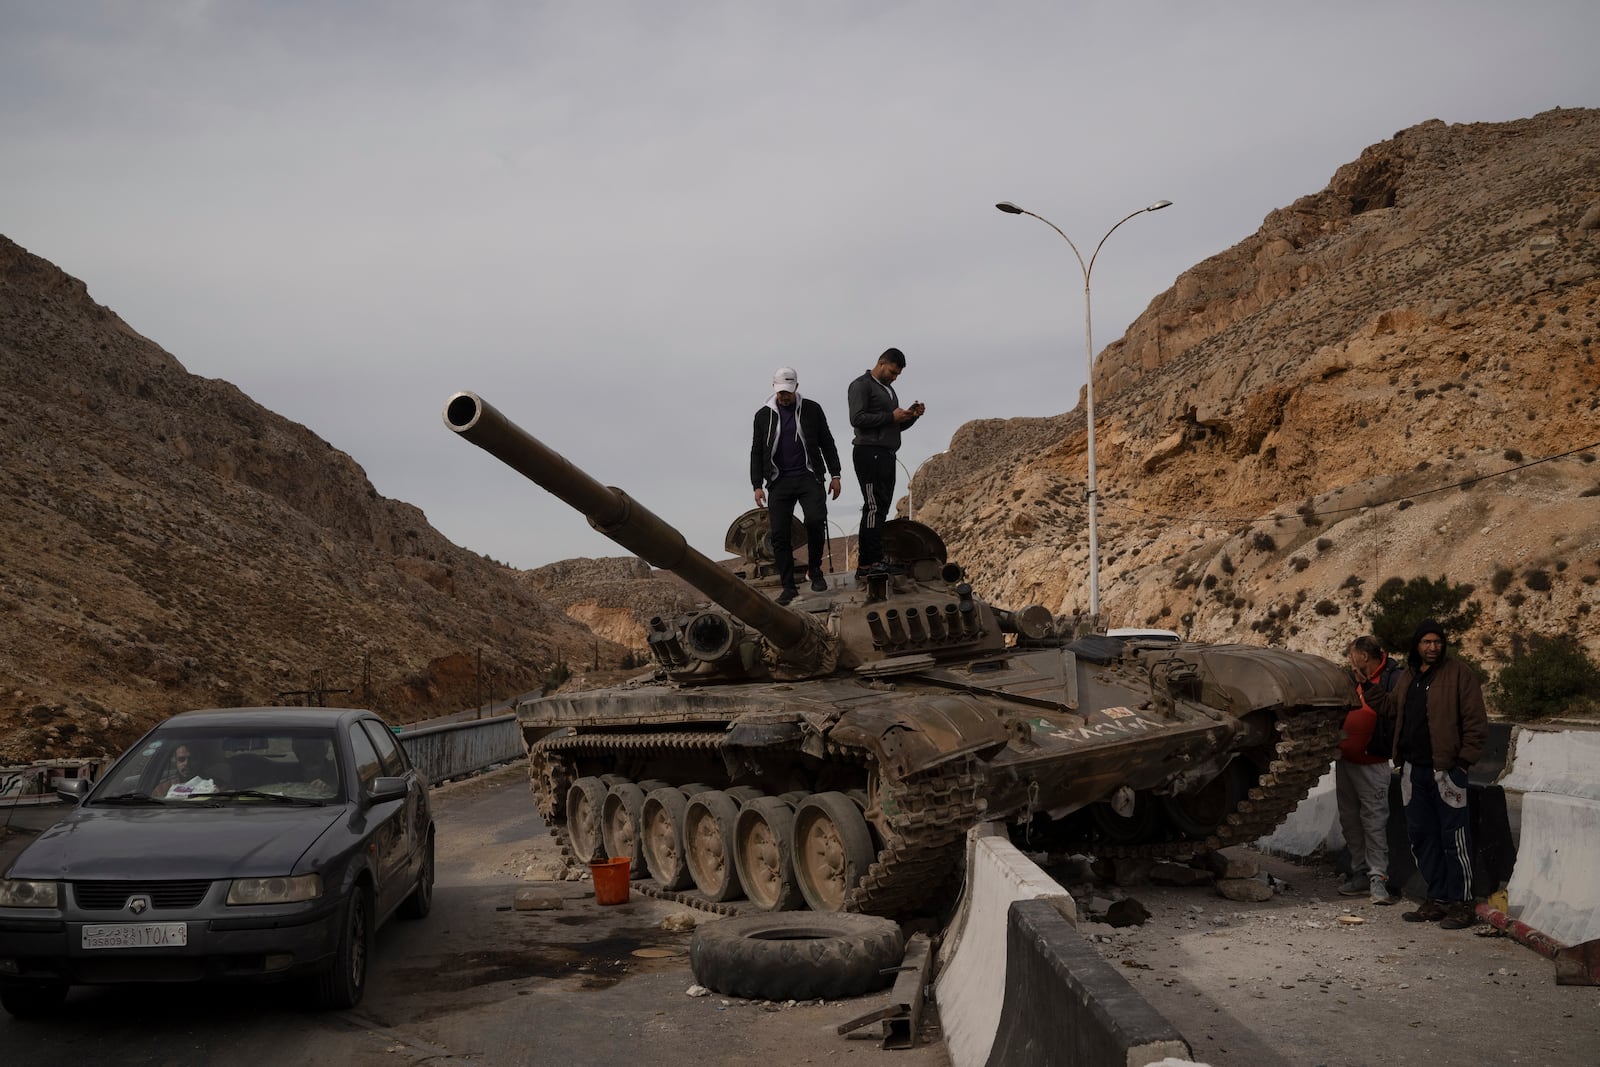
point(476, 982)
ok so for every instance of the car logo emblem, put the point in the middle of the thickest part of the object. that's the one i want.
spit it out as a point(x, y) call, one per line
point(137, 905)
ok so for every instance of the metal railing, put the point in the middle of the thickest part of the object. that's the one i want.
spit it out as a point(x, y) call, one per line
point(458, 748)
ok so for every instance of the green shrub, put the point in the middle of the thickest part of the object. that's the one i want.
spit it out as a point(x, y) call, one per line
point(1500, 581)
point(1547, 676)
point(1537, 580)
point(1398, 607)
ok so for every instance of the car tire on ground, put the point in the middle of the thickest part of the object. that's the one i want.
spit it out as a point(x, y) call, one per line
point(796, 955)
point(420, 902)
point(32, 1001)
point(341, 985)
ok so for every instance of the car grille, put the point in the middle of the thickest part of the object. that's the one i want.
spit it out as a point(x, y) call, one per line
point(113, 896)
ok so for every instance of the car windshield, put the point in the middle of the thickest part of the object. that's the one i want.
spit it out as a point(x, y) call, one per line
point(224, 765)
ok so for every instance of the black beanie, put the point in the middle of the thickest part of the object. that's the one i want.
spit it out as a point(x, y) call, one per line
point(1425, 627)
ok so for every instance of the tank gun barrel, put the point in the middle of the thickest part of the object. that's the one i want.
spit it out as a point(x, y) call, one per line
point(627, 522)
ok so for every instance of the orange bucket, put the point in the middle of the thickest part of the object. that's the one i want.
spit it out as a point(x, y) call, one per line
point(610, 881)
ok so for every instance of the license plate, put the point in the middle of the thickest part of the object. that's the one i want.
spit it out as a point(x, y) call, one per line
point(136, 935)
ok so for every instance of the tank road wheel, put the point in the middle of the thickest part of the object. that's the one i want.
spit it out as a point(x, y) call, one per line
point(763, 850)
point(619, 825)
point(743, 794)
point(708, 844)
point(1126, 829)
point(1197, 815)
point(832, 849)
point(586, 800)
point(661, 830)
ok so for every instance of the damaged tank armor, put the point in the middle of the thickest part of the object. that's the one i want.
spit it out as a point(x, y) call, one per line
point(833, 753)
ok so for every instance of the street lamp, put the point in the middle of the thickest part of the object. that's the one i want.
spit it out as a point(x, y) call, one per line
point(909, 513)
point(1088, 342)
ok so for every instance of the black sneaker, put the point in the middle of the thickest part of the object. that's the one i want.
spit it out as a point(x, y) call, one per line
point(786, 597)
point(1431, 911)
point(819, 583)
point(1459, 916)
point(871, 569)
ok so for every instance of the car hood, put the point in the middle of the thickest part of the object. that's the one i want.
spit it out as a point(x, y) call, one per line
point(176, 843)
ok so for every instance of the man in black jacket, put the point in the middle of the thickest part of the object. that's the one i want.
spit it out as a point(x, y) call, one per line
point(788, 450)
point(878, 420)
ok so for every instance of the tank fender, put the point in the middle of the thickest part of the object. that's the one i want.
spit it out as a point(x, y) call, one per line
point(939, 728)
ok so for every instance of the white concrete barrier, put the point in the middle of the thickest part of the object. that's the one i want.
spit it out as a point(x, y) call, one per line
point(1553, 887)
point(972, 980)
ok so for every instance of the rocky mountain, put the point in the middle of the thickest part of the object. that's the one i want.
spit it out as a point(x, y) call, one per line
point(167, 543)
point(1393, 377)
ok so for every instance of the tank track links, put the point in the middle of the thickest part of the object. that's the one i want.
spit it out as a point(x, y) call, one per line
point(1309, 742)
point(928, 815)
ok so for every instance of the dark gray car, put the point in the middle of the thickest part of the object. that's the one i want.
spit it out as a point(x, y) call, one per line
point(229, 844)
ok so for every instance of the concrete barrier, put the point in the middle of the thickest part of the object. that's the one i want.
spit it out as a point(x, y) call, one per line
point(1011, 983)
point(1065, 1005)
point(1553, 887)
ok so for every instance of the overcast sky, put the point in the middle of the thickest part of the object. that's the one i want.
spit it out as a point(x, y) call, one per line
point(615, 220)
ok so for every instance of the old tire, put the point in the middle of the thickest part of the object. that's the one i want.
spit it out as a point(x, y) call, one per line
point(661, 827)
point(796, 955)
point(832, 849)
point(586, 799)
point(33, 1001)
point(420, 902)
point(763, 854)
point(341, 985)
point(619, 826)
point(708, 844)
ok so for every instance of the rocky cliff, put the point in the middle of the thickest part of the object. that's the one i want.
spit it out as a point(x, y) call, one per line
point(167, 543)
point(1395, 376)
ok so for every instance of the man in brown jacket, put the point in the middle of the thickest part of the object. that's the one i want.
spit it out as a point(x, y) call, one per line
point(1440, 730)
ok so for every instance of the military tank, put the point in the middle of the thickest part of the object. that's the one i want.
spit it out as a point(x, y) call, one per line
point(833, 753)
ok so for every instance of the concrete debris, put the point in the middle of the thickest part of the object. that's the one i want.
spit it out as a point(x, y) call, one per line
point(538, 898)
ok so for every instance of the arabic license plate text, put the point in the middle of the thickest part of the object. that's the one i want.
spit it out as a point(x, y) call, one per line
point(136, 935)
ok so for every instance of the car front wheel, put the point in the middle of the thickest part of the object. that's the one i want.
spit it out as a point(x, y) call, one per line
point(342, 984)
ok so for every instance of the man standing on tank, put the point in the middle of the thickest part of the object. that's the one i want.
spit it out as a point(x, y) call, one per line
point(1440, 731)
point(788, 450)
point(878, 420)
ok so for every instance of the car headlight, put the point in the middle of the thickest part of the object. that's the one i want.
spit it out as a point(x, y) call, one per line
point(275, 890)
point(15, 893)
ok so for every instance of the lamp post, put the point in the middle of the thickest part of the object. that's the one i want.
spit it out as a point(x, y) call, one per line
point(909, 513)
point(1088, 341)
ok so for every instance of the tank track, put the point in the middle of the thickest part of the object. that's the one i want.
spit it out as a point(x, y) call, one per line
point(927, 816)
point(1308, 743)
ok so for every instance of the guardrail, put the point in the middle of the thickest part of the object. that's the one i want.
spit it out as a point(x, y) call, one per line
point(458, 748)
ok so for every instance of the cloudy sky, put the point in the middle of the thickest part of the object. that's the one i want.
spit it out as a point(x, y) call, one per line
point(615, 219)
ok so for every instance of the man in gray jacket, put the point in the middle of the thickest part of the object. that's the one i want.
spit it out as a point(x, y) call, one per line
point(789, 448)
point(878, 420)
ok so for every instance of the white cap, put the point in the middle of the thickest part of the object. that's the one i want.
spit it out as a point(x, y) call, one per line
point(785, 380)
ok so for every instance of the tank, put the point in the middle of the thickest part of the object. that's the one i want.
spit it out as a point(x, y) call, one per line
point(833, 753)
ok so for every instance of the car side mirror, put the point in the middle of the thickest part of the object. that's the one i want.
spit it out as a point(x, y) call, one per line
point(387, 788)
point(72, 788)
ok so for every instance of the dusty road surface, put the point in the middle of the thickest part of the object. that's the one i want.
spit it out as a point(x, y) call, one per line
point(477, 982)
point(1286, 982)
